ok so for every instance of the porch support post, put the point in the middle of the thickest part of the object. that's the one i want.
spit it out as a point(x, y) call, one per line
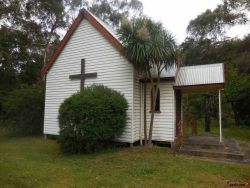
point(220, 116)
point(178, 113)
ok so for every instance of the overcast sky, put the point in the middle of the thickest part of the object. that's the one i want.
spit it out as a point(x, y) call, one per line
point(176, 14)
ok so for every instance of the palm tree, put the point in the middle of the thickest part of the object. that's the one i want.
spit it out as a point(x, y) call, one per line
point(149, 47)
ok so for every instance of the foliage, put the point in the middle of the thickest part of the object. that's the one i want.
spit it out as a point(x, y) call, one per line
point(91, 119)
point(113, 11)
point(237, 92)
point(18, 58)
point(44, 20)
point(151, 49)
point(23, 110)
point(207, 44)
point(147, 45)
point(30, 31)
point(213, 23)
point(40, 20)
point(197, 52)
point(235, 55)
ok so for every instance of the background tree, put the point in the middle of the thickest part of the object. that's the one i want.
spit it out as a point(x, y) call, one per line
point(207, 43)
point(113, 11)
point(30, 30)
point(150, 48)
point(23, 110)
point(213, 23)
point(42, 23)
point(39, 20)
point(237, 54)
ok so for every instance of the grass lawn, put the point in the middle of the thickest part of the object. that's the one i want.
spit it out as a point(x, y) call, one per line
point(231, 131)
point(34, 162)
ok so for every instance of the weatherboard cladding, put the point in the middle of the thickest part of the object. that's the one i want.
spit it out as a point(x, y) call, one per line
point(98, 44)
point(164, 122)
point(137, 108)
point(103, 28)
point(113, 71)
point(200, 75)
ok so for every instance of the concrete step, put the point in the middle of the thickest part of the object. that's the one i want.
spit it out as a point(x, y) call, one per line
point(202, 140)
point(199, 145)
point(211, 153)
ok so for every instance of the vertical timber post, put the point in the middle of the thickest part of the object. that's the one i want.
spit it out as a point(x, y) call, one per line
point(220, 116)
point(178, 113)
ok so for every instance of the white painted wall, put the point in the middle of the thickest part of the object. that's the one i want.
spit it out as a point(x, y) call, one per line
point(113, 70)
point(137, 108)
point(164, 122)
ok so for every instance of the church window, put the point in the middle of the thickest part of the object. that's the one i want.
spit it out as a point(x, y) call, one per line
point(157, 105)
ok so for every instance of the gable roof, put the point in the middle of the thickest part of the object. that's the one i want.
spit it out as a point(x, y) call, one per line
point(103, 28)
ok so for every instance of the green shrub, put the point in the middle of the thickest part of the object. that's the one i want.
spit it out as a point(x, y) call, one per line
point(91, 119)
point(23, 110)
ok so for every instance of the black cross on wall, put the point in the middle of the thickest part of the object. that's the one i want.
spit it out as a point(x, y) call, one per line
point(83, 76)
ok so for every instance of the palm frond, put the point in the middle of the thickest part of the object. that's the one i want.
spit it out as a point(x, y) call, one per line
point(147, 44)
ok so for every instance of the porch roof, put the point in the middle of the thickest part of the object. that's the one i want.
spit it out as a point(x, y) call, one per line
point(200, 77)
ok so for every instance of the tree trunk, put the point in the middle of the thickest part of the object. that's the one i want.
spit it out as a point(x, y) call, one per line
point(151, 119)
point(48, 45)
point(145, 114)
point(46, 52)
point(151, 126)
point(207, 122)
point(236, 117)
point(207, 115)
point(154, 93)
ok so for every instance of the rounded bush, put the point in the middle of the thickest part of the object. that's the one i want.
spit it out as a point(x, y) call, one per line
point(91, 119)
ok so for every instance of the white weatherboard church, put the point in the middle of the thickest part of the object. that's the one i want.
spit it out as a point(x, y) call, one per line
point(90, 53)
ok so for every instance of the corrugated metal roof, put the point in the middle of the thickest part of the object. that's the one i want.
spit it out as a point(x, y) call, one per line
point(166, 73)
point(200, 74)
point(188, 75)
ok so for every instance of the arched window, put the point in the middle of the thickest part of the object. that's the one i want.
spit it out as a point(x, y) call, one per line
point(157, 105)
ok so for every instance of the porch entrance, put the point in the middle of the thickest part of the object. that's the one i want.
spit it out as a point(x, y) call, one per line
point(200, 113)
point(198, 79)
point(187, 126)
point(203, 79)
point(214, 147)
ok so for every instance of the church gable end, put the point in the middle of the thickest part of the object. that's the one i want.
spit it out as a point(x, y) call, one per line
point(95, 23)
point(101, 57)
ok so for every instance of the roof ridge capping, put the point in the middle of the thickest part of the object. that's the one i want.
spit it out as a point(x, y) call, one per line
point(105, 30)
